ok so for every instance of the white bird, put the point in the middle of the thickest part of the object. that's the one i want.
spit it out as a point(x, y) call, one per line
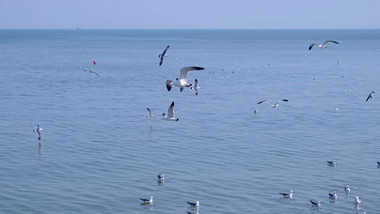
point(196, 204)
point(331, 163)
point(357, 200)
point(170, 115)
point(315, 203)
point(163, 55)
point(370, 95)
point(181, 82)
point(333, 195)
point(92, 72)
point(150, 115)
point(160, 177)
point(323, 45)
point(287, 195)
point(146, 201)
point(38, 129)
point(347, 189)
point(274, 105)
point(195, 87)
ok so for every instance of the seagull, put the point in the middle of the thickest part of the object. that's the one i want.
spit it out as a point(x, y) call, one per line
point(150, 115)
point(378, 163)
point(274, 105)
point(147, 201)
point(333, 195)
point(191, 213)
point(38, 129)
point(195, 87)
point(92, 72)
point(332, 163)
point(357, 200)
point(287, 195)
point(315, 203)
point(370, 95)
point(347, 189)
point(181, 82)
point(323, 45)
point(170, 115)
point(163, 55)
point(196, 204)
point(160, 177)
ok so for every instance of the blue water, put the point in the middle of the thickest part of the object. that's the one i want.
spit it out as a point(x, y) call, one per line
point(99, 153)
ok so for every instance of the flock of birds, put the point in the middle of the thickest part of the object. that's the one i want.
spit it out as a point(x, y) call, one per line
point(182, 82)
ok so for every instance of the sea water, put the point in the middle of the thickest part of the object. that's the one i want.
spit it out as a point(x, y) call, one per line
point(99, 153)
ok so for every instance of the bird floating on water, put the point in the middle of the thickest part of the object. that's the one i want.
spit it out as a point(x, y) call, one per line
point(150, 115)
point(323, 45)
point(38, 129)
point(315, 203)
point(160, 177)
point(170, 115)
point(370, 95)
point(287, 195)
point(332, 163)
point(347, 189)
point(357, 200)
point(163, 55)
point(196, 204)
point(181, 82)
point(333, 195)
point(146, 201)
point(274, 105)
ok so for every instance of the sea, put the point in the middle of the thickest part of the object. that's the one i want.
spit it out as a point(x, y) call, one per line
point(99, 153)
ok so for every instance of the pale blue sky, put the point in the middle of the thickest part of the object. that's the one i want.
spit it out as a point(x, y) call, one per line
point(190, 14)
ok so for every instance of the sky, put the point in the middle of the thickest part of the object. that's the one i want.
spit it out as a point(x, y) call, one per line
point(190, 14)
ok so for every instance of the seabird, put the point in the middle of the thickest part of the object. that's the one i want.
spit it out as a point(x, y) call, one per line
point(163, 55)
point(357, 200)
point(333, 195)
point(287, 195)
point(378, 163)
point(370, 95)
point(347, 189)
point(170, 115)
point(181, 82)
point(331, 163)
point(274, 105)
point(147, 201)
point(93, 72)
point(315, 203)
point(323, 45)
point(38, 129)
point(195, 87)
point(196, 204)
point(160, 177)
point(150, 115)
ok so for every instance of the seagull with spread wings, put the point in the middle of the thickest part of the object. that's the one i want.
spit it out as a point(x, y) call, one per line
point(181, 82)
point(323, 45)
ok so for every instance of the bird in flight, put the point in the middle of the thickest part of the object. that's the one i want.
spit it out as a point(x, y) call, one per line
point(163, 55)
point(323, 45)
point(181, 82)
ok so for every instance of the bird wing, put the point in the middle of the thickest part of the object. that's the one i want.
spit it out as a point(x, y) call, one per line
point(171, 110)
point(285, 100)
point(312, 45)
point(186, 70)
point(266, 101)
point(150, 112)
point(169, 84)
point(369, 97)
point(327, 41)
point(143, 199)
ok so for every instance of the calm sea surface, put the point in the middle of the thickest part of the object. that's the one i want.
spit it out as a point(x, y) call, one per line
point(100, 154)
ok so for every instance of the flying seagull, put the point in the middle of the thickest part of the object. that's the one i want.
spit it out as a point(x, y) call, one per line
point(163, 55)
point(146, 201)
point(170, 115)
point(195, 87)
point(181, 82)
point(315, 203)
point(150, 115)
point(370, 95)
point(287, 195)
point(323, 45)
point(92, 72)
point(38, 129)
point(333, 195)
point(274, 105)
point(196, 204)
